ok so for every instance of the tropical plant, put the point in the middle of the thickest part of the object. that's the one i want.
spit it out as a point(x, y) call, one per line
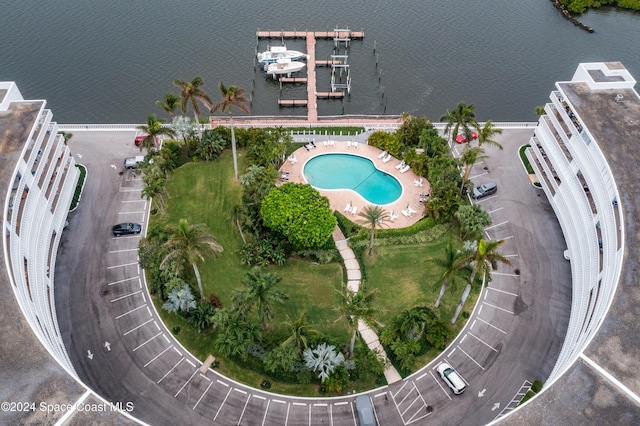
point(190, 243)
point(462, 116)
point(470, 156)
point(373, 217)
point(540, 111)
point(184, 129)
point(281, 358)
point(191, 93)
point(201, 317)
point(356, 307)
point(169, 104)
point(323, 359)
point(260, 293)
point(300, 214)
point(451, 265)
point(299, 329)
point(235, 333)
point(66, 136)
point(180, 300)
point(210, 145)
point(484, 258)
point(232, 96)
point(486, 132)
point(473, 219)
point(409, 132)
point(153, 129)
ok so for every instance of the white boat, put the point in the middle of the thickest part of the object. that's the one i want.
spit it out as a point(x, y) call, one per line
point(279, 52)
point(284, 66)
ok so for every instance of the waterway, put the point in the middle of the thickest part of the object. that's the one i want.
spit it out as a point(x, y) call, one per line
point(109, 61)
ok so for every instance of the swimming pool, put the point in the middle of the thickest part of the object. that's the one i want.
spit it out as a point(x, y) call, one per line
point(352, 172)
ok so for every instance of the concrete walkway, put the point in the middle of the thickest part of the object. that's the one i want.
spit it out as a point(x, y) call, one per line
point(354, 277)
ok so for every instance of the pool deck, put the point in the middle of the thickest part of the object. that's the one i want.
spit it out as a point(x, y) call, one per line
point(339, 199)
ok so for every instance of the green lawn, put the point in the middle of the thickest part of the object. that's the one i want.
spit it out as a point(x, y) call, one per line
point(205, 192)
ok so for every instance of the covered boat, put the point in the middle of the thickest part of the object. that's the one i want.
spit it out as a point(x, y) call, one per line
point(279, 52)
point(284, 66)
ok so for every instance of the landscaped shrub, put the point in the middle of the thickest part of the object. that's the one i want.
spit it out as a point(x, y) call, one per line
point(78, 193)
point(347, 227)
point(263, 253)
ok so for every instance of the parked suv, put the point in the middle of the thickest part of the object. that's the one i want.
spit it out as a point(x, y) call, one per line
point(132, 162)
point(365, 411)
point(451, 378)
point(485, 190)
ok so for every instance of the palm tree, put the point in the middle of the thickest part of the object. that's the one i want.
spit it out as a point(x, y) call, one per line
point(260, 294)
point(190, 243)
point(192, 93)
point(470, 156)
point(235, 333)
point(153, 129)
point(298, 331)
point(238, 214)
point(372, 217)
point(170, 103)
point(357, 306)
point(461, 116)
point(66, 136)
point(484, 258)
point(540, 110)
point(232, 96)
point(486, 132)
point(451, 265)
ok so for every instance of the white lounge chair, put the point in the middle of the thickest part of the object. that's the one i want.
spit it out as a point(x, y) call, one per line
point(348, 144)
point(387, 158)
point(410, 210)
point(418, 182)
point(354, 210)
point(355, 145)
point(405, 213)
point(393, 216)
point(405, 169)
point(331, 143)
point(400, 165)
point(324, 143)
point(347, 208)
point(382, 154)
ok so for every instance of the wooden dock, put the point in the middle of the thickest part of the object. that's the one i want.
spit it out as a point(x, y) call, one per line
point(305, 34)
point(338, 35)
point(293, 79)
point(293, 102)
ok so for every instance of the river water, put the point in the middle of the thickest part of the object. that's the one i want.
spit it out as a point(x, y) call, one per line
point(109, 61)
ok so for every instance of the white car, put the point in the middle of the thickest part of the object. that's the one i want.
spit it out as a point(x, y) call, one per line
point(451, 378)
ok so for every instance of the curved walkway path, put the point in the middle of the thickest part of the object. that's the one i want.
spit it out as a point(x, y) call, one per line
point(354, 277)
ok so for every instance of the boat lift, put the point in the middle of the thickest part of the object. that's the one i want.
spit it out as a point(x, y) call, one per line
point(339, 66)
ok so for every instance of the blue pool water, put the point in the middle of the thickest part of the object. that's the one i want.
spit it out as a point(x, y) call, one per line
point(352, 172)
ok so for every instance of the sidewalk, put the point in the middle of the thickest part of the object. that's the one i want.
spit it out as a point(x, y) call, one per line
point(354, 276)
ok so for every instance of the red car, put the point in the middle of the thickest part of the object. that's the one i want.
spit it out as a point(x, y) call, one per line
point(138, 140)
point(461, 138)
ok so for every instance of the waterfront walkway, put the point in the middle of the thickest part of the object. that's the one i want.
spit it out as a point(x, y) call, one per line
point(354, 279)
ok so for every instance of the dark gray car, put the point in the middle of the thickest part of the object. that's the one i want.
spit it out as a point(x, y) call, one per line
point(127, 228)
point(366, 417)
point(485, 190)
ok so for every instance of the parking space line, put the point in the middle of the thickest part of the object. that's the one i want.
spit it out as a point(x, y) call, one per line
point(157, 356)
point(495, 210)
point(121, 281)
point(132, 310)
point(220, 408)
point(491, 325)
point(141, 345)
point(129, 190)
point(205, 377)
point(353, 413)
point(469, 356)
point(286, 420)
point(440, 385)
point(504, 274)
point(123, 251)
point(300, 403)
point(423, 374)
point(240, 390)
point(401, 387)
point(482, 341)
point(279, 401)
point(497, 307)
point(126, 295)
point(185, 383)
point(222, 383)
point(172, 368)
point(137, 327)
point(410, 405)
point(141, 212)
point(166, 338)
point(502, 291)
point(122, 266)
point(202, 396)
point(266, 410)
point(157, 326)
point(133, 201)
point(463, 338)
point(496, 225)
point(343, 402)
point(125, 237)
